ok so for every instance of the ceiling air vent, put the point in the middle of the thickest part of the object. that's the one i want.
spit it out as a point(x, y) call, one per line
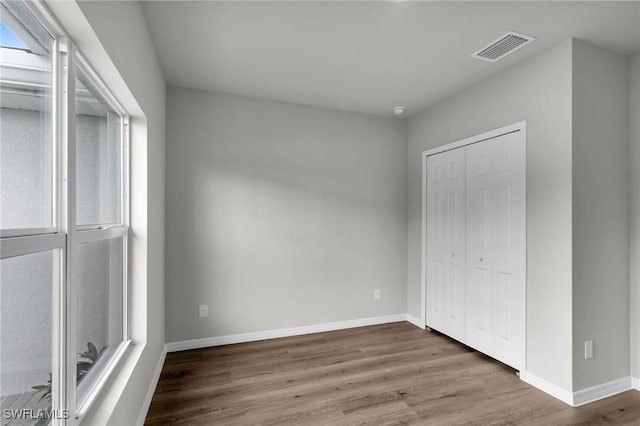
point(498, 49)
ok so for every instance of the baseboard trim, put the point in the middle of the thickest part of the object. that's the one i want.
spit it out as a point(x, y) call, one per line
point(635, 383)
point(152, 388)
point(584, 396)
point(547, 387)
point(604, 390)
point(415, 321)
point(283, 332)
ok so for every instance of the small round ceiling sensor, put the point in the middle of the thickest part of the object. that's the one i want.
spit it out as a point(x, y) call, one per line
point(398, 110)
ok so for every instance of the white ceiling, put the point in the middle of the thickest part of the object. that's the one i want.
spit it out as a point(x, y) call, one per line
point(365, 56)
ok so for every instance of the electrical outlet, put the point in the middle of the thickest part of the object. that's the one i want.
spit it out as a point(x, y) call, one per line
point(204, 311)
point(588, 349)
point(376, 294)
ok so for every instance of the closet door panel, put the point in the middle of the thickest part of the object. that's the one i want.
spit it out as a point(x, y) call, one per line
point(479, 309)
point(508, 253)
point(446, 229)
point(495, 248)
point(478, 251)
point(437, 223)
point(456, 183)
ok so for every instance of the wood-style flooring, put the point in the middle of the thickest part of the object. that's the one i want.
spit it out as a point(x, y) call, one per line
point(391, 374)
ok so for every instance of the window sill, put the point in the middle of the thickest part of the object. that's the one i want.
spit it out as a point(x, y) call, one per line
point(101, 380)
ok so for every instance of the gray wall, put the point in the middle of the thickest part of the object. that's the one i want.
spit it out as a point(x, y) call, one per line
point(634, 115)
point(538, 91)
point(280, 215)
point(600, 214)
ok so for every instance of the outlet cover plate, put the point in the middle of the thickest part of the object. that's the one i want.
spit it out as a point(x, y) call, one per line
point(588, 349)
point(203, 311)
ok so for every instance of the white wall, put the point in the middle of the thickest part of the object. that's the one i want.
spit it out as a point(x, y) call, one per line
point(538, 91)
point(280, 215)
point(600, 214)
point(634, 121)
point(114, 38)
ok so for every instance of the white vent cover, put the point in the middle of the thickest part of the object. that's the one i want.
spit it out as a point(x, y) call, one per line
point(502, 46)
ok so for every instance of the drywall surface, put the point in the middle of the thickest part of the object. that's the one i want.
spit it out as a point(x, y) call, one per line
point(280, 215)
point(600, 214)
point(113, 37)
point(538, 91)
point(634, 235)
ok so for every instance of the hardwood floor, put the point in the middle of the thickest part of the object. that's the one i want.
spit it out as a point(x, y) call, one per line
point(392, 374)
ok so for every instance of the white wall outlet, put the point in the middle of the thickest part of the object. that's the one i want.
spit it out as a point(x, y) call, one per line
point(376, 294)
point(588, 349)
point(204, 311)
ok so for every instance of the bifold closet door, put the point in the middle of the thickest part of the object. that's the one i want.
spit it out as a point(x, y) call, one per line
point(446, 243)
point(495, 267)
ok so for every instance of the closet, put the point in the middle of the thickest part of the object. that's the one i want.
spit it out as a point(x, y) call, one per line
point(475, 243)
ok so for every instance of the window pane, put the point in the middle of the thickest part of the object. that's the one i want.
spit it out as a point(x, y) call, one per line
point(26, 137)
point(26, 318)
point(98, 158)
point(100, 307)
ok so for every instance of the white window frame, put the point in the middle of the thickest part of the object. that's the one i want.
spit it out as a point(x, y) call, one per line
point(65, 238)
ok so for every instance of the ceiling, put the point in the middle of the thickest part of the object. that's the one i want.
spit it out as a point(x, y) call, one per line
point(365, 56)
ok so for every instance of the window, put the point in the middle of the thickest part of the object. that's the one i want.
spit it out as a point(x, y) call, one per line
point(98, 157)
point(9, 39)
point(26, 155)
point(63, 223)
point(26, 304)
point(98, 252)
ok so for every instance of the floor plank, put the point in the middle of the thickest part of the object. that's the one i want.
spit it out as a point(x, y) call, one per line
point(391, 374)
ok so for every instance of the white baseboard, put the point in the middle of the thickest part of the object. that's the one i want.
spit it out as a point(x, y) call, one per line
point(584, 396)
point(635, 383)
point(415, 321)
point(553, 390)
point(152, 388)
point(601, 391)
point(283, 332)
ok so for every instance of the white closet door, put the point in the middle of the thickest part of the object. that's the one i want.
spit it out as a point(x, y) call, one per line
point(496, 248)
point(446, 243)
point(480, 197)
